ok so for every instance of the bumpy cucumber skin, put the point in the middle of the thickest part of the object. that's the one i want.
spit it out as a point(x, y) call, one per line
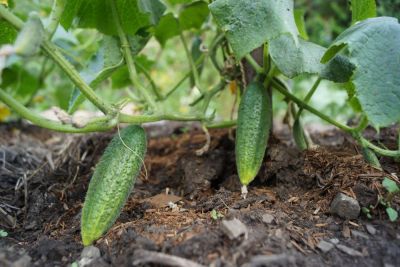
point(112, 182)
point(253, 127)
point(31, 37)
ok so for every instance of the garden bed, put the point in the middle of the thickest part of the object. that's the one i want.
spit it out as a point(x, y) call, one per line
point(182, 205)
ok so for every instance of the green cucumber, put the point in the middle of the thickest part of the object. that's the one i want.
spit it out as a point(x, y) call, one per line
point(112, 182)
point(299, 136)
point(30, 37)
point(253, 127)
point(371, 158)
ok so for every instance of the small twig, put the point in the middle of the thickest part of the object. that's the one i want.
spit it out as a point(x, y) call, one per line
point(144, 256)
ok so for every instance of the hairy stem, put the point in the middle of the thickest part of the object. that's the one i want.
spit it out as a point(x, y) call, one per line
point(55, 16)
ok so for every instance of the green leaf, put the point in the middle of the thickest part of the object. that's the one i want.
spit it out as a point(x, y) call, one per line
point(22, 82)
point(301, 26)
point(362, 9)
point(7, 33)
point(134, 14)
point(293, 60)
point(392, 213)
point(373, 45)
point(250, 23)
point(193, 15)
point(107, 60)
point(176, 2)
point(167, 28)
point(390, 185)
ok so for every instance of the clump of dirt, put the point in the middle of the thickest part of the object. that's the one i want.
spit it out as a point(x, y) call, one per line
point(174, 215)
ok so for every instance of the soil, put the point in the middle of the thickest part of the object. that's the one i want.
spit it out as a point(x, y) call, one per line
point(177, 213)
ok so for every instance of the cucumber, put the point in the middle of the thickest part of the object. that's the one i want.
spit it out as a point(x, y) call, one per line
point(371, 158)
point(112, 182)
point(253, 127)
point(30, 37)
point(299, 136)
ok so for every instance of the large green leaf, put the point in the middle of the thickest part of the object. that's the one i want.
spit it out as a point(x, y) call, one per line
point(362, 9)
point(175, 2)
point(134, 14)
point(250, 23)
point(293, 60)
point(167, 28)
point(22, 82)
point(193, 15)
point(373, 45)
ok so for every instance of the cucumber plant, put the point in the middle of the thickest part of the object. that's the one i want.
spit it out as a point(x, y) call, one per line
point(364, 59)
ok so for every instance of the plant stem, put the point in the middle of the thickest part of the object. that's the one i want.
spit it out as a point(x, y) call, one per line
point(210, 94)
point(308, 97)
point(126, 50)
point(73, 74)
point(363, 124)
point(223, 124)
point(150, 79)
point(35, 118)
point(96, 125)
point(55, 16)
point(193, 66)
point(52, 51)
point(124, 118)
point(377, 149)
point(254, 64)
point(184, 78)
point(303, 105)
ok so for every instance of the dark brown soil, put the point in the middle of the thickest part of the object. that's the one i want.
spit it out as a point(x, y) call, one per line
point(44, 177)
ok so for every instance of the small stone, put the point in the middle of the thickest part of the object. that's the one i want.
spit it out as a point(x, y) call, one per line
point(356, 233)
point(234, 229)
point(345, 207)
point(90, 252)
point(325, 246)
point(370, 229)
point(346, 232)
point(273, 260)
point(349, 251)
point(88, 255)
point(24, 261)
point(268, 218)
point(334, 241)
